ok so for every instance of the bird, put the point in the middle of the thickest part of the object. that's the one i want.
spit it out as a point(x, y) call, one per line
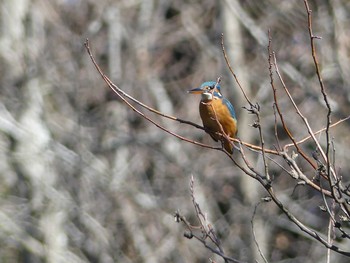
point(217, 113)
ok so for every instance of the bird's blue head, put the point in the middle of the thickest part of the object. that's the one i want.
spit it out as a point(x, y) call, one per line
point(210, 87)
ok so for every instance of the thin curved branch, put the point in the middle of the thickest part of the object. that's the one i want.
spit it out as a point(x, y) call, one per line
point(121, 94)
point(271, 58)
point(232, 72)
point(318, 73)
point(319, 131)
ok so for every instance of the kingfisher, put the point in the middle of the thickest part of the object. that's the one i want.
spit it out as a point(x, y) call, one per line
point(215, 109)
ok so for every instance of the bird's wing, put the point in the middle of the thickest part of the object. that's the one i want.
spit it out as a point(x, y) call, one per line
point(230, 107)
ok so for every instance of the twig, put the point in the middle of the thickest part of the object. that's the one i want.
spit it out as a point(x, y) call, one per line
point(301, 176)
point(232, 72)
point(275, 128)
point(318, 73)
point(121, 94)
point(253, 230)
point(271, 58)
point(304, 228)
point(319, 131)
point(205, 227)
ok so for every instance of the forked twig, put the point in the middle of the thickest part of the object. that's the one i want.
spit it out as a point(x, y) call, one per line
point(206, 229)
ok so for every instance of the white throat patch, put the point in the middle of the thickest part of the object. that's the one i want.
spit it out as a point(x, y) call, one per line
point(206, 96)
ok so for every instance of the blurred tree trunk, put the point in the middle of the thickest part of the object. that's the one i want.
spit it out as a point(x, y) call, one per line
point(251, 190)
point(22, 40)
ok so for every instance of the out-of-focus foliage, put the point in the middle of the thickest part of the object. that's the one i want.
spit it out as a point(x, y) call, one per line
point(85, 179)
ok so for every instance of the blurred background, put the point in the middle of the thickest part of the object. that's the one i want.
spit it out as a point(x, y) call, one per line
point(85, 179)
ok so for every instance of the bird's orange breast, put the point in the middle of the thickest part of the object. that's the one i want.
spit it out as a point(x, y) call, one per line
point(214, 111)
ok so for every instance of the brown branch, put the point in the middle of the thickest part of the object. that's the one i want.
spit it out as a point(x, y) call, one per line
point(304, 228)
point(271, 58)
point(319, 131)
point(318, 73)
point(121, 94)
point(255, 147)
point(334, 182)
point(301, 176)
point(116, 89)
point(275, 128)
